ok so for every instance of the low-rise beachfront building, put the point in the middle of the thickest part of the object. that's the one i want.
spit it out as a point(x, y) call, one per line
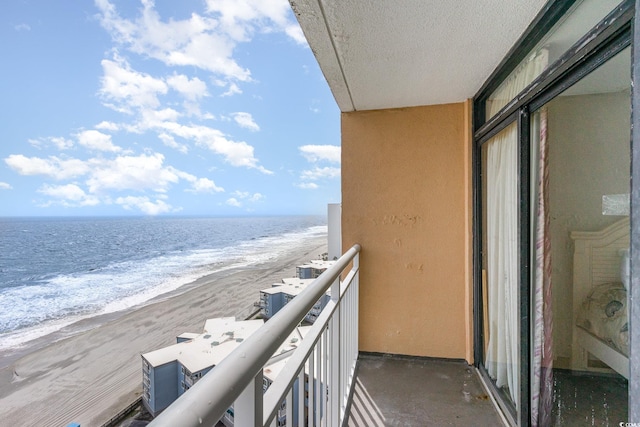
point(313, 269)
point(271, 371)
point(273, 299)
point(170, 371)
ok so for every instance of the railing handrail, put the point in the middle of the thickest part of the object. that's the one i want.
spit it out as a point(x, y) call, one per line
point(209, 398)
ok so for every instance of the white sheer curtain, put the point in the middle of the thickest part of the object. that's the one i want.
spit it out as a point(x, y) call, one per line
point(502, 358)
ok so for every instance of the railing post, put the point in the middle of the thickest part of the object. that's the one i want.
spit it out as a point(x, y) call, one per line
point(334, 382)
point(247, 408)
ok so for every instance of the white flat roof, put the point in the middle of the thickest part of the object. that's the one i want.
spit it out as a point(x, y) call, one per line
point(296, 281)
point(281, 356)
point(199, 353)
point(220, 338)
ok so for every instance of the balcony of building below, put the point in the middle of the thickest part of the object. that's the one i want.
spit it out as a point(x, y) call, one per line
point(341, 384)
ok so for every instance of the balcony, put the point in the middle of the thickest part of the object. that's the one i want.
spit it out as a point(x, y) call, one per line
point(341, 386)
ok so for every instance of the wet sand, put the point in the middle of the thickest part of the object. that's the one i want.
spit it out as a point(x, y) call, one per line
point(90, 376)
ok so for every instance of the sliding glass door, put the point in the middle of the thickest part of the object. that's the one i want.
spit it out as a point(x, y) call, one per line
point(552, 232)
point(580, 242)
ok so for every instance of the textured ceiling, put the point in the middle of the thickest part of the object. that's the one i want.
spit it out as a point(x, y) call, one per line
point(387, 53)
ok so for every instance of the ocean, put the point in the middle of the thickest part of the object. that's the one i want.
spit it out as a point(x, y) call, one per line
point(57, 271)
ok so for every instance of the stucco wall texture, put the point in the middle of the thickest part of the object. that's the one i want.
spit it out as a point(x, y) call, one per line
point(406, 200)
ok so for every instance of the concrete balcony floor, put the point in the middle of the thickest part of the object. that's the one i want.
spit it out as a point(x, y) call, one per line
point(393, 391)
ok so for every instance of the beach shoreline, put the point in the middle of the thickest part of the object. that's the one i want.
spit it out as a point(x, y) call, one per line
point(88, 371)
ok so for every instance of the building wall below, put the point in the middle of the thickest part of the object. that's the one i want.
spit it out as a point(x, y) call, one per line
point(406, 200)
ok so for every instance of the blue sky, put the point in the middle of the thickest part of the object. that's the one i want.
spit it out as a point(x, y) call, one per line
point(170, 107)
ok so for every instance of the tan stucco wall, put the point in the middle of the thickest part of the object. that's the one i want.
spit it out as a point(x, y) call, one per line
point(406, 199)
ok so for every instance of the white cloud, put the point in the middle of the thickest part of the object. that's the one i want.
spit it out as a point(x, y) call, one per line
point(307, 185)
point(320, 173)
point(319, 154)
point(295, 32)
point(170, 141)
point(245, 195)
point(152, 117)
point(236, 153)
point(139, 173)
point(196, 41)
point(234, 89)
point(125, 90)
point(241, 18)
point(59, 142)
point(316, 153)
point(69, 195)
point(204, 41)
point(95, 140)
point(5, 186)
point(22, 27)
point(145, 205)
point(245, 120)
point(105, 125)
point(53, 167)
point(233, 202)
point(191, 89)
point(205, 185)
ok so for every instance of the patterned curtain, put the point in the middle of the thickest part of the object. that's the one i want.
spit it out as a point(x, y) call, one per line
point(542, 361)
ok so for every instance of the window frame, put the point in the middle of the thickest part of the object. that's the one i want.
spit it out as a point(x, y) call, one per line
point(609, 37)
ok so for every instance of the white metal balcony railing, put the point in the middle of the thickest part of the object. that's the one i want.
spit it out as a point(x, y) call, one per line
point(324, 363)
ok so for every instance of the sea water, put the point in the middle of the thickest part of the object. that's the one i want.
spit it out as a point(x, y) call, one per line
point(56, 271)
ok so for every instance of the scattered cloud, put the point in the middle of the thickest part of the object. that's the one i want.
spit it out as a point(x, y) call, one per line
point(242, 197)
point(245, 195)
point(143, 173)
point(69, 195)
point(233, 202)
point(245, 120)
point(53, 167)
point(317, 153)
point(96, 140)
point(58, 142)
point(164, 106)
point(191, 89)
point(104, 125)
point(126, 90)
point(146, 205)
point(241, 18)
point(196, 41)
point(205, 185)
point(319, 173)
point(170, 141)
point(234, 89)
point(138, 173)
point(307, 185)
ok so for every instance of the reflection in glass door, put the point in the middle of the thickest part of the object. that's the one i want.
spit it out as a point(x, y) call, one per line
point(580, 238)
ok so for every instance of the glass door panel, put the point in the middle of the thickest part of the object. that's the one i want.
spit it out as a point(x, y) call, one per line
point(580, 234)
point(500, 266)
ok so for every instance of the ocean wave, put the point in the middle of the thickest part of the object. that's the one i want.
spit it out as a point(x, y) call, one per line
point(52, 303)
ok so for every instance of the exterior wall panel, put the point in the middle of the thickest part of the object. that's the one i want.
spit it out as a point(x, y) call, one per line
point(405, 199)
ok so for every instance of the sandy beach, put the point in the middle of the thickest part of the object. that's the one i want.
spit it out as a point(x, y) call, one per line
point(88, 377)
